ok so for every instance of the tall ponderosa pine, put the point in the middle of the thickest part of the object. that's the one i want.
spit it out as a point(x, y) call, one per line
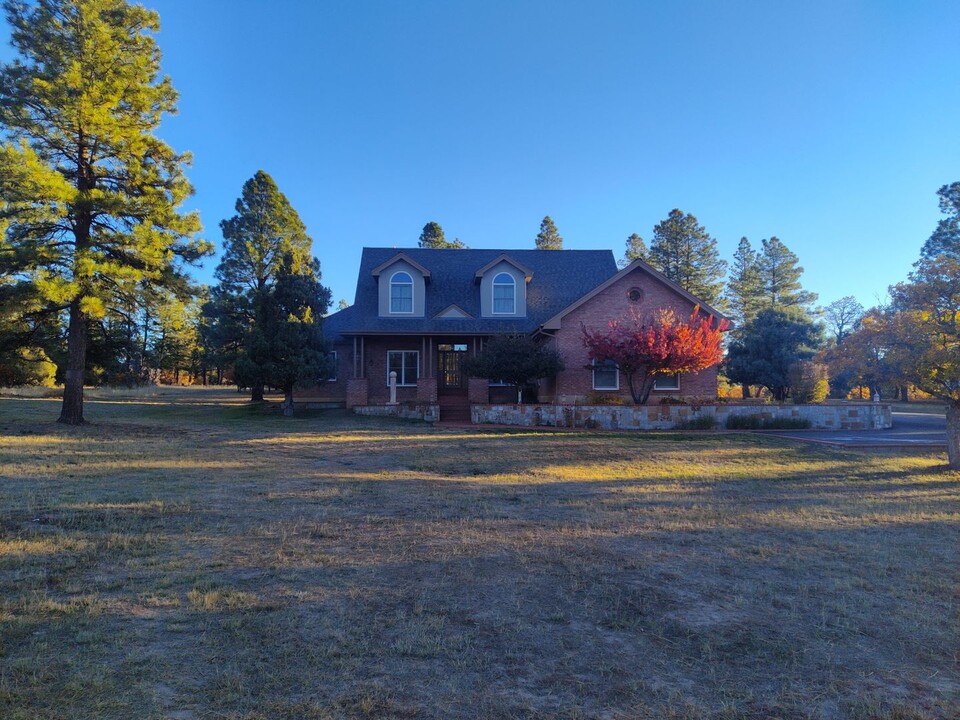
point(548, 238)
point(636, 250)
point(780, 274)
point(683, 251)
point(432, 237)
point(945, 239)
point(265, 232)
point(744, 286)
point(90, 192)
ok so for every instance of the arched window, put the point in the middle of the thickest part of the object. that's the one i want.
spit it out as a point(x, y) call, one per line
point(504, 294)
point(401, 293)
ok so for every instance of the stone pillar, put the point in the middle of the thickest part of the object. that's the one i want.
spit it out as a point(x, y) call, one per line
point(427, 390)
point(478, 391)
point(358, 392)
point(393, 387)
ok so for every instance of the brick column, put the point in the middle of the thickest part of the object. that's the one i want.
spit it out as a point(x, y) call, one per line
point(478, 391)
point(427, 390)
point(358, 392)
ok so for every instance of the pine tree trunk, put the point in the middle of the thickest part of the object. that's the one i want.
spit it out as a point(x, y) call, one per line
point(288, 403)
point(71, 412)
point(256, 393)
point(953, 435)
point(745, 390)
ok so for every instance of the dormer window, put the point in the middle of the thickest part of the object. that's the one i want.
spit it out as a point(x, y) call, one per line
point(401, 293)
point(504, 294)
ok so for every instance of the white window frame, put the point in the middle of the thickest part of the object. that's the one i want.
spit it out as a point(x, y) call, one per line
point(336, 366)
point(393, 283)
point(672, 388)
point(403, 367)
point(493, 293)
point(616, 375)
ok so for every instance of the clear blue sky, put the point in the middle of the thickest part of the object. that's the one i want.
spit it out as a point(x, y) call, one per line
point(828, 124)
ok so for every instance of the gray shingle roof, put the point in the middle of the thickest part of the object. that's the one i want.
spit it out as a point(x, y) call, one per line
point(559, 278)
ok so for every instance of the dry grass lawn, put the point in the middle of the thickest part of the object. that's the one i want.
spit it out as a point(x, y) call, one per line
point(185, 556)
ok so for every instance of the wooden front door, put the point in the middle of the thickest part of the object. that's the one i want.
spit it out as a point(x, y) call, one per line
point(450, 366)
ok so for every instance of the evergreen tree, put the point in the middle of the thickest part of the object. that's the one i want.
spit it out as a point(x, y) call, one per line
point(265, 232)
point(343, 304)
point(945, 239)
point(27, 332)
point(91, 194)
point(222, 332)
point(768, 346)
point(293, 329)
point(432, 237)
point(548, 238)
point(516, 359)
point(744, 286)
point(780, 274)
point(636, 250)
point(684, 252)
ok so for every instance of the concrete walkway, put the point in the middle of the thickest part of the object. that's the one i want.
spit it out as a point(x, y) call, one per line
point(909, 430)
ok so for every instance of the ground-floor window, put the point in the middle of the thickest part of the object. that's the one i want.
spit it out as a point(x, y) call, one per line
point(606, 375)
point(335, 370)
point(406, 364)
point(667, 382)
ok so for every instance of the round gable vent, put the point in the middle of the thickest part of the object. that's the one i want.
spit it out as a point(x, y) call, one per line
point(635, 295)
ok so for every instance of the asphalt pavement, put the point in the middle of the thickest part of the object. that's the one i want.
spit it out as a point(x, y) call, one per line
point(910, 429)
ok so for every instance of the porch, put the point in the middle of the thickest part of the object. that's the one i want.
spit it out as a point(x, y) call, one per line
point(429, 372)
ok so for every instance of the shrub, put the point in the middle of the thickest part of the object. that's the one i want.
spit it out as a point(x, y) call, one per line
point(808, 382)
point(744, 422)
point(605, 398)
point(700, 422)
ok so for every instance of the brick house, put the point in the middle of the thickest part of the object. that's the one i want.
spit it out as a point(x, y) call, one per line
point(419, 312)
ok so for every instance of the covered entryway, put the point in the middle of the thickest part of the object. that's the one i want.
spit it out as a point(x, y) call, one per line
point(452, 383)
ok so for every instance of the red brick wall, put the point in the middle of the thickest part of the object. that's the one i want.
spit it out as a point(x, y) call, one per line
point(357, 392)
point(332, 389)
point(375, 367)
point(575, 383)
point(478, 390)
point(426, 388)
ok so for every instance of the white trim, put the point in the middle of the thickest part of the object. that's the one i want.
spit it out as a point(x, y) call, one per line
point(672, 388)
point(617, 376)
point(493, 293)
point(403, 368)
point(413, 299)
point(336, 366)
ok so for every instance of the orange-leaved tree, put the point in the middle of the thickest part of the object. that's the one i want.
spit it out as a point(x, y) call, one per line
point(662, 345)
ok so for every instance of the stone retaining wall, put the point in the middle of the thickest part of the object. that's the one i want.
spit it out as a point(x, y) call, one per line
point(404, 410)
point(846, 416)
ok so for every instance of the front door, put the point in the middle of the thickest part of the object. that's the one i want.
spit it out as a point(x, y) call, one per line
point(451, 366)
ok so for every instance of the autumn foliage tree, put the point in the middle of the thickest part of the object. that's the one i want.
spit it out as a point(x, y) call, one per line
point(664, 345)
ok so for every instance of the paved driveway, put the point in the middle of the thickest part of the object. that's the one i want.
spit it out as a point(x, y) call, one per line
point(909, 429)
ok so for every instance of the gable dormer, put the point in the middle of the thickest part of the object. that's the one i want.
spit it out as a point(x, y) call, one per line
point(503, 288)
point(402, 286)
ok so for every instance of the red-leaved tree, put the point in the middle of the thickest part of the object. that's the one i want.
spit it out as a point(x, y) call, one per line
point(663, 345)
